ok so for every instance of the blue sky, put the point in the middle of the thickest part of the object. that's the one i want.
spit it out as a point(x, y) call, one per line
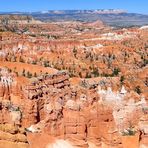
point(139, 6)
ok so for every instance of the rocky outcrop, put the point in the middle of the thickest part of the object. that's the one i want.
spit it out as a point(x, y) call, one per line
point(45, 95)
point(12, 136)
point(82, 115)
point(143, 125)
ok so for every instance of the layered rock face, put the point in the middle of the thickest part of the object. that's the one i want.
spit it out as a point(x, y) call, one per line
point(66, 112)
point(12, 136)
point(83, 116)
point(50, 105)
point(143, 124)
point(44, 95)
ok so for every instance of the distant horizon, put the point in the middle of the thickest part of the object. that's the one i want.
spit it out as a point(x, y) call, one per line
point(17, 11)
point(132, 6)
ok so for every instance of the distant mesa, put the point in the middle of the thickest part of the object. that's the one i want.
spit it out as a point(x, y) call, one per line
point(97, 11)
point(143, 27)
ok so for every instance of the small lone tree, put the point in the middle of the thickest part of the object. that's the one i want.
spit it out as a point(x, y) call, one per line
point(122, 78)
point(29, 75)
point(23, 73)
point(138, 90)
point(74, 51)
point(116, 71)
